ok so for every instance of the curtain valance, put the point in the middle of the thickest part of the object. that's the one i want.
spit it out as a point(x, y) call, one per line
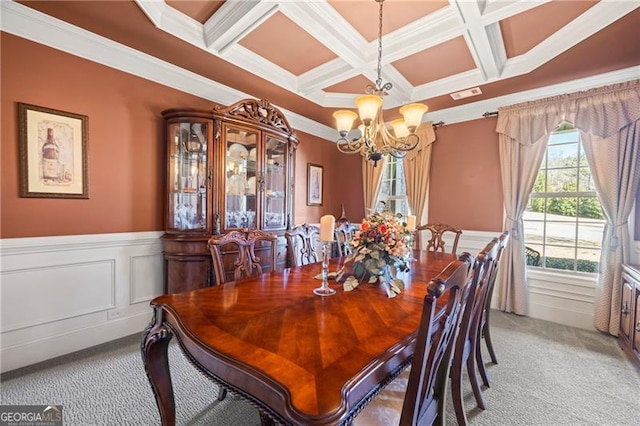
point(601, 112)
point(427, 136)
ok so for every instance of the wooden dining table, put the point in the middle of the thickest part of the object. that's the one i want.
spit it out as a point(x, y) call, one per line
point(301, 359)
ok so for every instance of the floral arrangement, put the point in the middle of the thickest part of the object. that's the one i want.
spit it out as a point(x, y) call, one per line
point(380, 248)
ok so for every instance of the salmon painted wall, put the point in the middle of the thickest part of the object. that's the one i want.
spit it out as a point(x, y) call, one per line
point(466, 188)
point(342, 175)
point(125, 149)
point(126, 154)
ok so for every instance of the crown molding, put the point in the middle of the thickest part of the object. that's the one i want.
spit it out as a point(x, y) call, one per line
point(30, 24)
point(474, 111)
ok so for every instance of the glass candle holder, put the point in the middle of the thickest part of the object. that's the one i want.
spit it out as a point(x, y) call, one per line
point(324, 289)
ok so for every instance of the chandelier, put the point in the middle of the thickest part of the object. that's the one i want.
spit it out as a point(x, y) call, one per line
point(373, 140)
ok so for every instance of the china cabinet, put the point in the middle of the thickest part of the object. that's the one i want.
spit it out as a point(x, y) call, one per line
point(226, 168)
point(629, 334)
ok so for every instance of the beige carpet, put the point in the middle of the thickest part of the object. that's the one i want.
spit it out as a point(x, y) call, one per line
point(548, 375)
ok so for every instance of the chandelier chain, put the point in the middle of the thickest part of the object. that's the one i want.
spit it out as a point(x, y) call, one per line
point(379, 80)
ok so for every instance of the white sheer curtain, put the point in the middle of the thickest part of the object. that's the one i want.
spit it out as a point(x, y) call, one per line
point(606, 117)
point(417, 167)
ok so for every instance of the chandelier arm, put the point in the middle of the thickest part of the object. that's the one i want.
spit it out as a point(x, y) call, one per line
point(349, 147)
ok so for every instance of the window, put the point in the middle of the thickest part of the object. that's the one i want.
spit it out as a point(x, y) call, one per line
point(563, 222)
point(393, 191)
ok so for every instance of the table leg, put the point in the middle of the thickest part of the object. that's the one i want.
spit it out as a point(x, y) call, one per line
point(156, 363)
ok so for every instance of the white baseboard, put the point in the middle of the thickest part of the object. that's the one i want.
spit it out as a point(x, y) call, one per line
point(63, 294)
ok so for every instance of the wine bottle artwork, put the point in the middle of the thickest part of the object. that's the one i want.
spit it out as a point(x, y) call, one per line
point(50, 158)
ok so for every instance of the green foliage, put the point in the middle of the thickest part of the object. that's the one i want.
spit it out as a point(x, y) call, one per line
point(567, 264)
point(590, 208)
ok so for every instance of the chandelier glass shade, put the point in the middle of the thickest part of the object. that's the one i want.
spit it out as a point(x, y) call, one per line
point(373, 139)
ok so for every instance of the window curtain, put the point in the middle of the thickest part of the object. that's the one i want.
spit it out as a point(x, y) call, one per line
point(371, 178)
point(607, 119)
point(417, 168)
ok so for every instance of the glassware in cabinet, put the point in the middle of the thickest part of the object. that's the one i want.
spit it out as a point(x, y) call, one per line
point(275, 194)
point(241, 177)
point(188, 175)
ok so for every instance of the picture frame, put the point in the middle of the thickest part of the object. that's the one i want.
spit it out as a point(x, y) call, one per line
point(314, 184)
point(52, 152)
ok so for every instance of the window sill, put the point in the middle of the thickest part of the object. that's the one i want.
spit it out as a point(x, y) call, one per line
point(580, 279)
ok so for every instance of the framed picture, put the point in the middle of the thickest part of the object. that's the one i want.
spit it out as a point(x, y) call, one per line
point(314, 185)
point(53, 153)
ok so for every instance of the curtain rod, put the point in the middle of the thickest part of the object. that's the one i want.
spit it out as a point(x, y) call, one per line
point(438, 124)
point(490, 114)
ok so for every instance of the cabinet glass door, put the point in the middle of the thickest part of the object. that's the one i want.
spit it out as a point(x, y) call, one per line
point(188, 183)
point(242, 184)
point(275, 208)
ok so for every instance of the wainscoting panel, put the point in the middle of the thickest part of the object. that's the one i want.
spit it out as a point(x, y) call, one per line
point(63, 294)
point(48, 294)
point(146, 278)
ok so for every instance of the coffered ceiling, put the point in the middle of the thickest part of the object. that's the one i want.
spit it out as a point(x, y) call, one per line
point(313, 57)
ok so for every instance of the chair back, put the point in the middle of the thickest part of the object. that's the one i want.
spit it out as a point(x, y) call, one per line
point(483, 270)
point(247, 263)
point(502, 243)
point(425, 395)
point(491, 281)
point(467, 339)
point(302, 245)
point(437, 242)
point(343, 235)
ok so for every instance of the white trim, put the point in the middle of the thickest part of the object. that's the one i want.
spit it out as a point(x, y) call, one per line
point(30, 24)
point(35, 245)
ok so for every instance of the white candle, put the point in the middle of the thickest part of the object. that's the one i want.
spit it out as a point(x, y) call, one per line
point(327, 226)
point(411, 222)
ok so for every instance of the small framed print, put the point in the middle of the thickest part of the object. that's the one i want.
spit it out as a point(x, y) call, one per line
point(314, 185)
point(53, 153)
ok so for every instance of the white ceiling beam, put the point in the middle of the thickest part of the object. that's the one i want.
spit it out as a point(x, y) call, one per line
point(497, 10)
point(173, 21)
point(233, 21)
point(482, 41)
point(421, 34)
point(325, 75)
point(259, 66)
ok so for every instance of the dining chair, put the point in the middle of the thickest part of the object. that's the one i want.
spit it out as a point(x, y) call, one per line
point(422, 400)
point(467, 339)
point(438, 230)
point(247, 262)
point(302, 245)
point(343, 235)
point(484, 326)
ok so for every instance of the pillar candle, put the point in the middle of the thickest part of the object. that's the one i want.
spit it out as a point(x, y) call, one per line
point(327, 226)
point(411, 222)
